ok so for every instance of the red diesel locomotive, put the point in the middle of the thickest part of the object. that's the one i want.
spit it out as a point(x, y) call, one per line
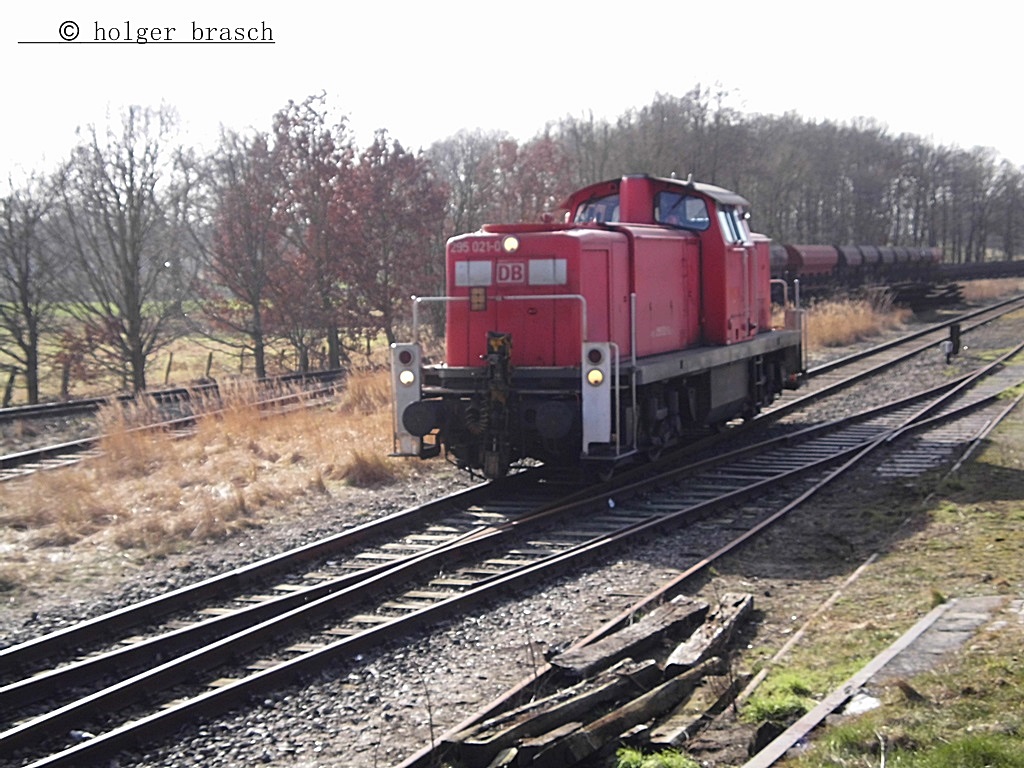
point(645, 313)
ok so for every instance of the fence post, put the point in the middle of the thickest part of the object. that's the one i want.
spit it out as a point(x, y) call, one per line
point(9, 389)
point(65, 380)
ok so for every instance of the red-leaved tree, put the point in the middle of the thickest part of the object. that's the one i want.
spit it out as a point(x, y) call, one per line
point(316, 167)
point(400, 204)
point(244, 248)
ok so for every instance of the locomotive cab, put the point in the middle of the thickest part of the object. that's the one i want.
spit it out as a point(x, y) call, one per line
point(644, 314)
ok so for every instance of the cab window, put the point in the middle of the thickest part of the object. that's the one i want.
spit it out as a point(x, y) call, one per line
point(678, 210)
point(598, 210)
point(733, 224)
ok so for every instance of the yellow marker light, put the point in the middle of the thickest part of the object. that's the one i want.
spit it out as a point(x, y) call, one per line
point(595, 377)
point(510, 244)
point(407, 377)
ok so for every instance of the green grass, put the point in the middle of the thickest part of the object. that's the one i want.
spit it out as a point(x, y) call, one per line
point(785, 697)
point(969, 712)
point(627, 757)
point(906, 745)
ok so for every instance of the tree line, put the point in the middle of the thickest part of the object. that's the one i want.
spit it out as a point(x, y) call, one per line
point(296, 235)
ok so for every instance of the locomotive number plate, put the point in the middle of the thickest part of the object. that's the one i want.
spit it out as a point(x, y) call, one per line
point(477, 246)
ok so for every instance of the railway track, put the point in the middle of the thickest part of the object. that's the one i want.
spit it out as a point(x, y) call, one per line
point(64, 454)
point(831, 377)
point(921, 432)
point(172, 395)
point(371, 585)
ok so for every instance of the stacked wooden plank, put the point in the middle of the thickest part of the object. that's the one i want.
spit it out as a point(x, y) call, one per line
point(655, 682)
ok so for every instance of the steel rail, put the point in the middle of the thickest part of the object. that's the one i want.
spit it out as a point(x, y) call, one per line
point(178, 641)
point(168, 395)
point(619, 489)
point(152, 609)
point(791, 405)
point(73, 449)
point(177, 600)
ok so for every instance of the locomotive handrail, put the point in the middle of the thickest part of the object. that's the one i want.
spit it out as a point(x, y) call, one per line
point(785, 289)
point(522, 297)
point(617, 392)
point(416, 305)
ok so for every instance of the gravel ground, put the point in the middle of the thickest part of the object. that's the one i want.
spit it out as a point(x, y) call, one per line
point(389, 704)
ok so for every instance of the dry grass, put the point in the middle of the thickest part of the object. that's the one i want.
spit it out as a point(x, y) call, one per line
point(154, 493)
point(848, 321)
point(990, 290)
point(840, 323)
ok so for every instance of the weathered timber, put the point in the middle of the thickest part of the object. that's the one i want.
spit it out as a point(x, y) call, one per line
point(581, 743)
point(671, 620)
point(529, 749)
point(710, 698)
point(713, 635)
point(480, 743)
point(505, 758)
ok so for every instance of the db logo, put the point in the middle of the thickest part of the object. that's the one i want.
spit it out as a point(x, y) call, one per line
point(511, 272)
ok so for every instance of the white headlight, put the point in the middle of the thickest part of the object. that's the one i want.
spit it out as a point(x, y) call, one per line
point(407, 377)
point(595, 377)
point(510, 244)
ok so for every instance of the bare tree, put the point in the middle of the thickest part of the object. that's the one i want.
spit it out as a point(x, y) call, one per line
point(465, 163)
point(1010, 194)
point(121, 229)
point(589, 143)
point(27, 269)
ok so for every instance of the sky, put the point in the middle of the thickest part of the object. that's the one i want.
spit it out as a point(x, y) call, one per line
point(426, 70)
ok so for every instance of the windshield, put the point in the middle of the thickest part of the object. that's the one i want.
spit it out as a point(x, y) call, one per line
point(598, 210)
point(687, 211)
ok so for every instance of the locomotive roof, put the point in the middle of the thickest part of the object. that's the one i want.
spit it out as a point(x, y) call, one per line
point(719, 194)
point(716, 193)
